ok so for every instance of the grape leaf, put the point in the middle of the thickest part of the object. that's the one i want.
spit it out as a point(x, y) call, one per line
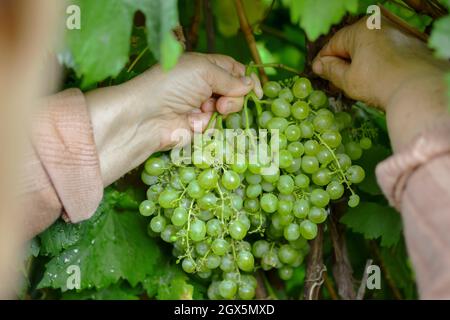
point(227, 18)
point(369, 161)
point(375, 221)
point(317, 16)
point(118, 291)
point(100, 48)
point(112, 245)
point(60, 236)
point(440, 39)
point(170, 283)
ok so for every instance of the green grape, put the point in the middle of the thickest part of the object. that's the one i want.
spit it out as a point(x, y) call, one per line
point(355, 174)
point(179, 216)
point(332, 138)
point(206, 215)
point(230, 180)
point(244, 219)
point(236, 201)
point(353, 201)
point(343, 119)
point(260, 248)
point(264, 118)
point(230, 275)
point(321, 177)
point(194, 190)
point(227, 289)
point(213, 261)
point(300, 110)
point(365, 143)
point(148, 179)
point(285, 273)
point(277, 123)
point(317, 215)
point(295, 165)
point(287, 254)
point(324, 156)
point(272, 178)
point(208, 179)
point(269, 202)
point(227, 263)
point(299, 244)
point(168, 213)
point(237, 230)
point(286, 197)
point(214, 228)
point(233, 121)
point(253, 178)
point(200, 160)
point(291, 232)
point(310, 164)
point(292, 133)
point(353, 150)
point(318, 99)
point(154, 166)
point(246, 292)
point(147, 208)
point(251, 205)
point(168, 198)
point(187, 174)
point(319, 198)
point(254, 168)
point(239, 167)
point(311, 147)
point(154, 191)
point(284, 207)
point(296, 148)
point(208, 201)
point(301, 208)
point(249, 280)
point(284, 219)
point(244, 245)
point(270, 260)
point(205, 274)
point(344, 161)
point(285, 158)
point(307, 129)
point(285, 184)
point(281, 139)
point(271, 89)
point(267, 186)
point(169, 234)
point(286, 94)
point(188, 265)
point(220, 246)
point(197, 231)
point(308, 229)
point(335, 189)
point(157, 224)
point(245, 261)
point(281, 108)
point(213, 291)
point(302, 181)
point(223, 212)
point(302, 88)
point(323, 122)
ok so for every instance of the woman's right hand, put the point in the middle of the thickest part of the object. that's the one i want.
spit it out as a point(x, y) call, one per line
point(388, 69)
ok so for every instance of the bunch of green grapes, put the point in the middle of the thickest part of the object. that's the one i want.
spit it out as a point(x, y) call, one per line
point(227, 220)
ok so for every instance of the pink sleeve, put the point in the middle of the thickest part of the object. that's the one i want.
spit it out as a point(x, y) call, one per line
point(61, 172)
point(417, 182)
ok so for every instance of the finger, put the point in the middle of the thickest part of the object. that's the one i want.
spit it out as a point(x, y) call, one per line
point(340, 45)
point(333, 69)
point(227, 105)
point(257, 88)
point(199, 121)
point(224, 83)
point(209, 105)
point(228, 63)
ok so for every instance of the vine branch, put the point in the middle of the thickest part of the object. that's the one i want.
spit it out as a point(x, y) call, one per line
point(431, 8)
point(250, 38)
point(209, 25)
point(195, 25)
point(315, 269)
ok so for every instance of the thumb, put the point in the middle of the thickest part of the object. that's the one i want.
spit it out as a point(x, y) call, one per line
point(333, 69)
point(225, 84)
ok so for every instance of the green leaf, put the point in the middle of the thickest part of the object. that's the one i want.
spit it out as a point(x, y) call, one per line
point(375, 221)
point(161, 19)
point(317, 16)
point(119, 291)
point(369, 161)
point(112, 246)
point(440, 37)
point(101, 47)
point(227, 18)
point(58, 237)
point(447, 80)
point(169, 283)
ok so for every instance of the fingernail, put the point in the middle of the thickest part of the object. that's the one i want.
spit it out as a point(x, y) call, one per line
point(317, 67)
point(247, 81)
point(229, 107)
